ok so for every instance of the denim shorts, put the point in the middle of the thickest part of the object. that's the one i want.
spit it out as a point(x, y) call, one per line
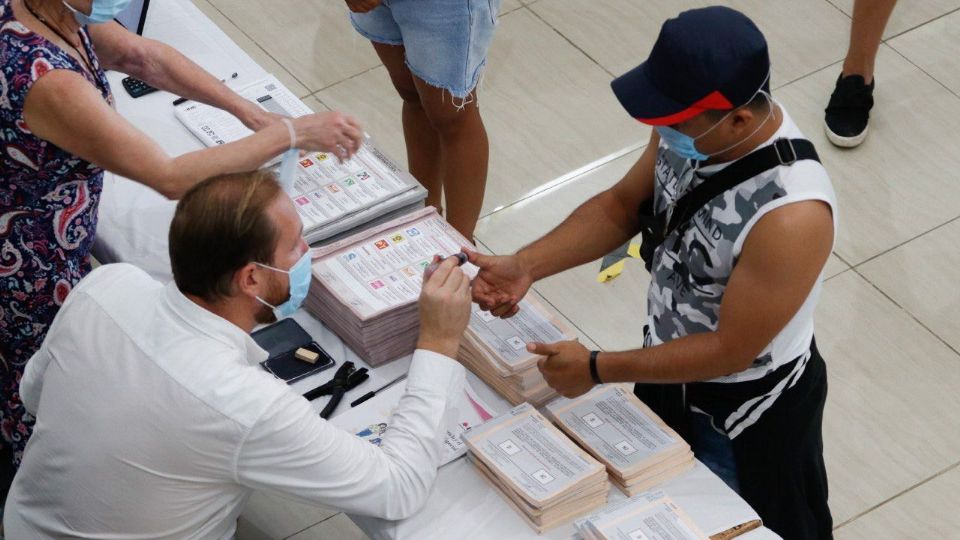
point(445, 41)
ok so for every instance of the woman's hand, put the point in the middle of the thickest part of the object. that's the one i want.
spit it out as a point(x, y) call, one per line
point(333, 132)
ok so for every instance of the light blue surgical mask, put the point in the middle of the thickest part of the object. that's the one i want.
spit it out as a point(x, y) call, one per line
point(299, 286)
point(101, 11)
point(681, 144)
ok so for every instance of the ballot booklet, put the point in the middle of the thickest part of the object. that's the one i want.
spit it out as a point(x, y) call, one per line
point(365, 286)
point(331, 197)
point(639, 450)
point(541, 473)
point(647, 516)
point(495, 350)
point(371, 421)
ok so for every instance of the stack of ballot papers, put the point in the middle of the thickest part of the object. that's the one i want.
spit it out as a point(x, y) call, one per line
point(541, 473)
point(371, 422)
point(639, 450)
point(496, 350)
point(365, 286)
point(648, 516)
point(332, 198)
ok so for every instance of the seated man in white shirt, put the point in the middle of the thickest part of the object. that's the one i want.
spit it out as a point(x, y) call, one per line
point(154, 419)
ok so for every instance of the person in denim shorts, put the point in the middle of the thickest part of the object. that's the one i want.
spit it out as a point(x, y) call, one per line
point(435, 51)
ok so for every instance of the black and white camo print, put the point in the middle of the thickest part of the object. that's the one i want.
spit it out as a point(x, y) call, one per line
point(691, 269)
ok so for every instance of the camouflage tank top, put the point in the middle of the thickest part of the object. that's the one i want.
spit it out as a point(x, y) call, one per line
point(691, 269)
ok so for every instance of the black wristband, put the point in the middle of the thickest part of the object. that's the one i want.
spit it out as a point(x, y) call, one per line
point(594, 374)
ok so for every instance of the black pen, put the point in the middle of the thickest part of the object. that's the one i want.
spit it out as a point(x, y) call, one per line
point(180, 100)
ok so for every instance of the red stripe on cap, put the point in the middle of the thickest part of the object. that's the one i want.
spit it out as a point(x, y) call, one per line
point(714, 101)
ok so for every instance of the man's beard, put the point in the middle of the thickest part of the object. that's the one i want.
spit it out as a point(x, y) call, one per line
point(277, 295)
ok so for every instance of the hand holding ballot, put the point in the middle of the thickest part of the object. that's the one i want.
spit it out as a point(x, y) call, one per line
point(566, 366)
point(444, 308)
point(501, 283)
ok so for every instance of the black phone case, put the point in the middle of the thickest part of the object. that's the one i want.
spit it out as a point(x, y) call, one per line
point(281, 342)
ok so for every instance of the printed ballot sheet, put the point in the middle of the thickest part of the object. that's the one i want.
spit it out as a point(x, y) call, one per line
point(530, 455)
point(650, 516)
point(616, 426)
point(507, 338)
point(382, 268)
point(326, 190)
point(371, 422)
point(215, 126)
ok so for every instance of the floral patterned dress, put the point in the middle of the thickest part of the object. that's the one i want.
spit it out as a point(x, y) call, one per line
point(48, 213)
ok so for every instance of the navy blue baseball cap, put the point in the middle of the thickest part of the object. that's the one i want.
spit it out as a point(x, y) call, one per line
point(712, 58)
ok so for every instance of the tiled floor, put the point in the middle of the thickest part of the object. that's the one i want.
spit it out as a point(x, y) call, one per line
point(888, 321)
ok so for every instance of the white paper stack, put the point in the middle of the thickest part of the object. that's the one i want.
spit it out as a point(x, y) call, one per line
point(541, 473)
point(639, 450)
point(496, 350)
point(647, 516)
point(332, 198)
point(365, 287)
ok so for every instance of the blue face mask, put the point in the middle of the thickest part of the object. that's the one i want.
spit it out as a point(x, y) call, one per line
point(101, 11)
point(299, 286)
point(681, 144)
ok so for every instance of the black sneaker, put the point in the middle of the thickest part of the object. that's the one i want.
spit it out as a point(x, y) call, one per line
point(848, 112)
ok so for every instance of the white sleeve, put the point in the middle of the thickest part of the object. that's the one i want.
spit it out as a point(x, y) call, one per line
point(31, 383)
point(292, 451)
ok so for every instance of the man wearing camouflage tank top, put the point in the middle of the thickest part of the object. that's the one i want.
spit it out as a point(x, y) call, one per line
point(728, 356)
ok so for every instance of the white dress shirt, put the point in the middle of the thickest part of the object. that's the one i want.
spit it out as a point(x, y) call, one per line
point(155, 421)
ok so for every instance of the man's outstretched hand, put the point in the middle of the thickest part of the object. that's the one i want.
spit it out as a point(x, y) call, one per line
point(501, 283)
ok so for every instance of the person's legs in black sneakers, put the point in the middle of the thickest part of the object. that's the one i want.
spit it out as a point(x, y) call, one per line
point(847, 114)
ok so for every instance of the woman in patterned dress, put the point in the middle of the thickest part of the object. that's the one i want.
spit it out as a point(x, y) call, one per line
point(59, 132)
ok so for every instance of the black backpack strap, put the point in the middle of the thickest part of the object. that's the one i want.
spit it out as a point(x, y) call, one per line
point(781, 152)
point(655, 228)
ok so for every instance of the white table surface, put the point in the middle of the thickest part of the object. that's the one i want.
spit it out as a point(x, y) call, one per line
point(133, 226)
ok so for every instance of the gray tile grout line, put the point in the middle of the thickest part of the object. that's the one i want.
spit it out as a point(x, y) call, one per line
point(908, 312)
point(912, 28)
point(324, 520)
point(901, 244)
point(568, 40)
point(898, 495)
point(248, 36)
point(914, 64)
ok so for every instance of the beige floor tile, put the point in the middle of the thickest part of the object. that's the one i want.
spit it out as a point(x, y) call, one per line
point(921, 276)
point(338, 527)
point(890, 420)
point(900, 182)
point(548, 109)
point(803, 35)
point(908, 13)
point(509, 5)
point(312, 39)
point(275, 517)
point(927, 511)
point(933, 47)
point(259, 55)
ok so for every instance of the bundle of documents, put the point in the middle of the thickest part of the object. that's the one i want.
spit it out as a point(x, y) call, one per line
point(648, 516)
point(365, 287)
point(332, 198)
point(496, 350)
point(541, 473)
point(639, 450)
